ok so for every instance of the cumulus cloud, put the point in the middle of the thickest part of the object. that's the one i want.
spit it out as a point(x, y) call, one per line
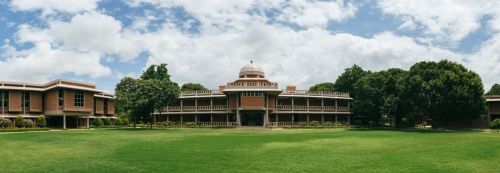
point(446, 21)
point(51, 6)
point(289, 39)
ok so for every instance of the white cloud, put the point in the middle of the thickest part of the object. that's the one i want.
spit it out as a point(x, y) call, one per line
point(42, 62)
point(445, 21)
point(294, 57)
point(51, 6)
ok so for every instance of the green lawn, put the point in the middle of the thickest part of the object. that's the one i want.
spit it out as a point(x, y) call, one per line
point(249, 150)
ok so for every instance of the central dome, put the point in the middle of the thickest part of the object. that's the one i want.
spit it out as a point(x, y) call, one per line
point(251, 71)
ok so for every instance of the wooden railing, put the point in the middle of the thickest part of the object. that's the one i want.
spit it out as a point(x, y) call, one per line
point(312, 108)
point(195, 125)
point(252, 84)
point(193, 108)
point(316, 93)
point(201, 93)
point(311, 124)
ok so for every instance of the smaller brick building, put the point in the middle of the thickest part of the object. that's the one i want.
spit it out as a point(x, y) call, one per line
point(493, 105)
point(65, 103)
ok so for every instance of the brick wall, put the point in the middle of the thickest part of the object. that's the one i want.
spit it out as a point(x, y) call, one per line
point(69, 101)
point(36, 102)
point(15, 104)
point(99, 106)
point(272, 102)
point(232, 101)
point(89, 101)
point(111, 107)
point(252, 101)
point(51, 100)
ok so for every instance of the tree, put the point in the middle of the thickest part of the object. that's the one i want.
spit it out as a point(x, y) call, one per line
point(445, 91)
point(326, 86)
point(193, 87)
point(495, 90)
point(156, 72)
point(152, 91)
point(19, 121)
point(381, 95)
point(346, 81)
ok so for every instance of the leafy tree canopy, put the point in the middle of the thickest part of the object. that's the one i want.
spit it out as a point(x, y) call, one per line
point(152, 91)
point(446, 91)
point(193, 87)
point(345, 82)
point(495, 90)
point(326, 86)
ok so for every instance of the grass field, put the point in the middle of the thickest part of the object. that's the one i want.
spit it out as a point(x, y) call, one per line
point(249, 150)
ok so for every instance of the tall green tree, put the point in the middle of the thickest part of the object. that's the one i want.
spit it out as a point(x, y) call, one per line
point(326, 86)
point(156, 72)
point(193, 87)
point(346, 81)
point(446, 91)
point(152, 91)
point(495, 90)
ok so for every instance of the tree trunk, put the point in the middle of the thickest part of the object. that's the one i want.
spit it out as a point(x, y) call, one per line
point(151, 120)
point(135, 122)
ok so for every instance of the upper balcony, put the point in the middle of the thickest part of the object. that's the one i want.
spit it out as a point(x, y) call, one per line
point(201, 93)
point(315, 93)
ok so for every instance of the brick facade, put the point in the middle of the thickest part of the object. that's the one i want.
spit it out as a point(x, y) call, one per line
point(252, 101)
point(111, 107)
point(51, 100)
point(15, 101)
point(36, 102)
point(99, 106)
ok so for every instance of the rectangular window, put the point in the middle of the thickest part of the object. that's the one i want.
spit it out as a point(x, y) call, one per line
point(26, 99)
point(61, 97)
point(105, 106)
point(79, 98)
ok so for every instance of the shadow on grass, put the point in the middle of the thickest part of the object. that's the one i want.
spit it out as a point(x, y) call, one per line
point(418, 130)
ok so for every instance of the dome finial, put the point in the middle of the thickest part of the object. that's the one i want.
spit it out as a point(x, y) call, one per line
point(251, 61)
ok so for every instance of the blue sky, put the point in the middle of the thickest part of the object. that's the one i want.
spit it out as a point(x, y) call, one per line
point(297, 42)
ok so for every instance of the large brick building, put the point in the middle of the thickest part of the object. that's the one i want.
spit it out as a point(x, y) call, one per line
point(66, 104)
point(252, 100)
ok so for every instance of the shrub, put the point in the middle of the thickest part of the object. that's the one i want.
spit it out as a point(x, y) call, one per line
point(495, 124)
point(28, 123)
point(191, 124)
point(5, 123)
point(125, 121)
point(314, 123)
point(97, 122)
point(118, 122)
point(19, 121)
point(106, 121)
point(41, 121)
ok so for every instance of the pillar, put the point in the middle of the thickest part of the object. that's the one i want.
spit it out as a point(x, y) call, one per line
point(266, 116)
point(322, 119)
point(335, 118)
point(211, 118)
point(168, 117)
point(77, 119)
point(238, 118)
point(349, 119)
point(211, 104)
point(489, 113)
point(349, 106)
point(293, 106)
point(196, 118)
point(308, 119)
point(88, 122)
point(336, 107)
point(181, 106)
point(181, 119)
point(276, 118)
point(64, 121)
point(307, 106)
point(322, 105)
point(196, 104)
